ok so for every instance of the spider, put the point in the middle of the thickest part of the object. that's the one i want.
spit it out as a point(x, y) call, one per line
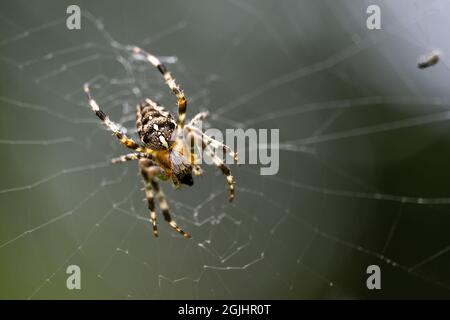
point(163, 152)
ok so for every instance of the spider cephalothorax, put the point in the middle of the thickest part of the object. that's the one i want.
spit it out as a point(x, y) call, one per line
point(163, 152)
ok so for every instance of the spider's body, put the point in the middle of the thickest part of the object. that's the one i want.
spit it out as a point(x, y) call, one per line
point(163, 151)
point(156, 129)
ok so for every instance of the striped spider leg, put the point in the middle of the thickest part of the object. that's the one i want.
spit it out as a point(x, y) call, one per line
point(130, 157)
point(192, 126)
point(181, 102)
point(210, 146)
point(224, 168)
point(115, 128)
point(149, 170)
point(210, 142)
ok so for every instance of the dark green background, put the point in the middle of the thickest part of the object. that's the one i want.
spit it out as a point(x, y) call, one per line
point(305, 67)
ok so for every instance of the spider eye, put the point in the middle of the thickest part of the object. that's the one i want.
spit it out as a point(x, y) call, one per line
point(171, 125)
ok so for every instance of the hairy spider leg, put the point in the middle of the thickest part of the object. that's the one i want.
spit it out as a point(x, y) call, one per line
point(192, 158)
point(225, 171)
point(165, 208)
point(130, 157)
point(212, 142)
point(220, 164)
point(198, 117)
point(127, 142)
point(181, 102)
point(148, 171)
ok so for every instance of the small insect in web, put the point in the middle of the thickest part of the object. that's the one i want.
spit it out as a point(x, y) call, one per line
point(166, 148)
point(430, 59)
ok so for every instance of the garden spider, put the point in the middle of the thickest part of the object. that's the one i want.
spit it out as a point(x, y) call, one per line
point(163, 152)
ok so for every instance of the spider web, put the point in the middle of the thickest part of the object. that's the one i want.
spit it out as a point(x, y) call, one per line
point(363, 164)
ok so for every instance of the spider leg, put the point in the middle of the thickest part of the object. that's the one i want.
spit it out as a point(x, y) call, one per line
point(182, 102)
point(127, 142)
point(220, 164)
point(198, 117)
point(148, 171)
point(165, 208)
point(226, 172)
point(130, 157)
point(197, 170)
point(212, 142)
point(192, 159)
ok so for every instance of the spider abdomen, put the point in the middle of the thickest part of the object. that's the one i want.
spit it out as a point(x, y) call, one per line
point(155, 125)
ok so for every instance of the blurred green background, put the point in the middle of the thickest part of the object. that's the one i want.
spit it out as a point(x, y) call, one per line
point(364, 146)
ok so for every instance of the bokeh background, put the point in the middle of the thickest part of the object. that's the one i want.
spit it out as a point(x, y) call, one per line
point(364, 142)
